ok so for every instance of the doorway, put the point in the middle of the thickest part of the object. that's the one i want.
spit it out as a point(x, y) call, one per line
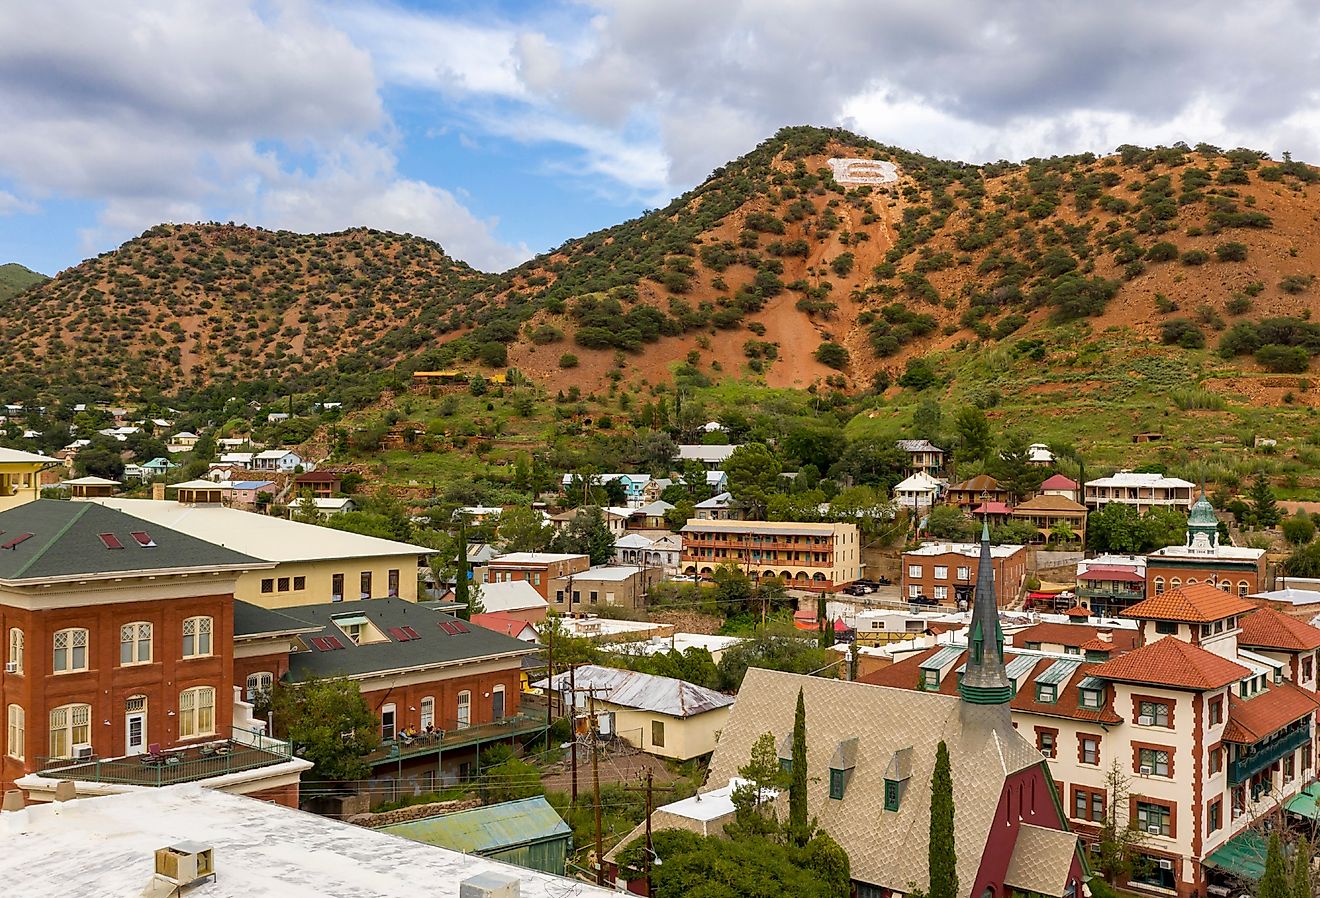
point(135, 725)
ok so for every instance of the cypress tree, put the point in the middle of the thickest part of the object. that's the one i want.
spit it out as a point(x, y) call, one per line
point(461, 587)
point(797, 785)
point(1274, 884)
point(824, 628)
point(943, 860)
point(1301, 883)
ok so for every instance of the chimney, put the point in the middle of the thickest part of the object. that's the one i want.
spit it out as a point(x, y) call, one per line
point(1105, 635)
point(158, 492)
point(489, 885)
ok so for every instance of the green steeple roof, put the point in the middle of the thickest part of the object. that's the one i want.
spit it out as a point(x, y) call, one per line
point(1203, 513)
point(985, 681)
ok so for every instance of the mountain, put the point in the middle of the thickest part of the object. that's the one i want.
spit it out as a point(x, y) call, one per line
point(15, 278)
point(770, 271)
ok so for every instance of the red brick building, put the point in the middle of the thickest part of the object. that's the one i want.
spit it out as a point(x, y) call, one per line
point(118, 645)
point(537, 568)
point(946, 572)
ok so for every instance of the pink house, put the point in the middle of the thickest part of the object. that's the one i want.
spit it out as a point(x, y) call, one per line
point(244, 492)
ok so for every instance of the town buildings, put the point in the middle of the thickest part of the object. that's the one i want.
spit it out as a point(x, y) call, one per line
point(918, 492)
point(311, 564)
point(536, 568)
point(617, 585)
point(118, 645)
point(20, 479)
point(663, 551)
point(1141, 491)
point(805, 555)
point(971, 493)
point(946, 572)
point(923, 456)
point(1206, 558)
point(1046, 512)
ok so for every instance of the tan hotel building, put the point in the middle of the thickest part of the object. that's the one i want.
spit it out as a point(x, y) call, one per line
point(805, 556)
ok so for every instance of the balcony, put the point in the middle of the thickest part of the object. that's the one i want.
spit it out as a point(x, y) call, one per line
point(395, 750)
point(1266, 753)
point(1116, 594)
point(245, 750)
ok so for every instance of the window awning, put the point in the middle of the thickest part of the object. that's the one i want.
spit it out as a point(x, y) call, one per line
point(352, 620)
point(1305, 804)
point(1243, 855)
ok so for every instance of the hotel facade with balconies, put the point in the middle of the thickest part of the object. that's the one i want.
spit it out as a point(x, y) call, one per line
point(804, 555)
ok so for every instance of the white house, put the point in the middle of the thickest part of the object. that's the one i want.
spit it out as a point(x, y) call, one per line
point(663, 551)
point(919, 492)
point(277, 460)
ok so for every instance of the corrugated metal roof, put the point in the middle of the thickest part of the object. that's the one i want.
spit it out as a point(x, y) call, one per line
point(646, 692)
point(941, 659)
point(1058, 672)
point(486, 829)
point(1091, 683)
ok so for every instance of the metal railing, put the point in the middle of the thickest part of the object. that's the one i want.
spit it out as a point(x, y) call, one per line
point(246, 750)
point(454, 737)
point(1243, 768)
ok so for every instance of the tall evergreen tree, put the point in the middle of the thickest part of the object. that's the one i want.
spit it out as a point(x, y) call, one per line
point(825, 630)
point(943, 861)
point(1263, 508)
point(1274, 884)
point(1301, 882)
point(461, 578)
point(797, 785)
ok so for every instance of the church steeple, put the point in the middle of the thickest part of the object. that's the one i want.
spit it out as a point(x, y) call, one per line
point(985, 681)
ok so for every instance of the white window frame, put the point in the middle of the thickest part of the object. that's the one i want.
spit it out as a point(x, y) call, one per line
point(197, 712)
point(70, 725)
point(504, 702)
point(258, 682)
point(426, 716)
point(914, 570)
point(941, 572)
point(964, 573)
point(941, 593)
point(393, 730)
point(199, 630)
point(464, 709)
point(15, 656)
point(69, 641)
point(16, 732)
point(132, 636)
point(914, 591)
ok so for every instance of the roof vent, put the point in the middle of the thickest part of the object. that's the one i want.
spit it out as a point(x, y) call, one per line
point(110, 541)
point(184, 863)
point(16, 540)
point(489, 885)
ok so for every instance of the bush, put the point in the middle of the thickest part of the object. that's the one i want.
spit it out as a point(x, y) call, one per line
point(1283, 359)
point(1182, 332)
point(546, 334)
point(1162, 252)
point(568, 360)
point(833, 355)
point(842, 264)
point(1296, 283)
point(918, 375)
point(1231, 252)
point(1237, 305)
point(1195, 257)
point(1299, 529)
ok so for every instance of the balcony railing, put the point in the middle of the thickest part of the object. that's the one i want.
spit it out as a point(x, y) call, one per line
point(245, 750)
point(1117, 593)
point(1267, 753)
point(440, 741)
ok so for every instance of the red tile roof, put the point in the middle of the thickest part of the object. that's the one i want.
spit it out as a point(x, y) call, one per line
point(1074, 635)
point(1267, 628)
point(1111, 574)
point(1251, 720)
point(1058, 482)
point(501, 622)
point(992, 508)
point(1197, 603)
point(1172, 663)
point(1078, 611)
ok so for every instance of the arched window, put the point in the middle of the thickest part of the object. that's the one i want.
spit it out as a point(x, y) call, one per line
point(1175, 583)
point(70, 728)
point(197, 637)
point(427, 718)
point(17, 732)
point(258, 685)
point(135, 643)
point(70, 651)
point(1191, 580)
point(15, 657)
point(1159, 585)
point(197, 711)
point(1242, 587)
point(464, 709)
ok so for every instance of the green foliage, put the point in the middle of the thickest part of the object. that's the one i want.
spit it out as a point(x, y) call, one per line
point(1013, 468)
point(1297, 283)
point(754, 867)
point(918, 374)
point(1301, 886)
point(1184, 333)
point(1284, 359)
point(521, 529)
point(1304, 561)
point(1264, 510)
point(974, 436)
point(943, 857)
point(797, 784)
point(1298, 529)
point(772, 651)
point(15, 278)
point(753, 473)
point(832, 355)
point(1231, 251)
point(568, 360)
point(1274, 883)
point(510, 780)
point(587, 534)
point(1120, 529)
point(329, 723)
point(1162, 252)
point(949, 522)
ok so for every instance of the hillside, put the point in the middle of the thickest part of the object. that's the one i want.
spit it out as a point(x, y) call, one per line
point(770, 271)
point(15, 278)
point(187, 305)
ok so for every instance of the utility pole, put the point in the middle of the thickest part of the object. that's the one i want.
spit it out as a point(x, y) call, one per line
point(595, 785)
point(649, 850)
point(572, 691)
point(550, 679)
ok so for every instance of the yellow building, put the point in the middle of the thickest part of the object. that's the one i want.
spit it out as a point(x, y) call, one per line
point(20, 479)
point(817, 556)
point(312, 564)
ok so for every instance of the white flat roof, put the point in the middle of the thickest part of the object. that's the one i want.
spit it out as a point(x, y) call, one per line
point(1229, 553)
point(15, 456)
point(1132, 479)
point(512, 595)
point(971, 550)
point(679, 642)
point(609, 572)
point(259, 535)
point(712, 805)
point(532, 558)
point(1290, 595)
point(106, 847)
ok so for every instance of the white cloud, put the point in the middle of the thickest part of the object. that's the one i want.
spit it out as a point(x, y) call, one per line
point(10, 204)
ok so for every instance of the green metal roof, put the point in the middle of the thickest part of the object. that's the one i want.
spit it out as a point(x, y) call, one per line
point(1305, 804)
point(492, 828)
point(938, 660)
point(1203, 513)
point(1243, 855)
point(1058, 672)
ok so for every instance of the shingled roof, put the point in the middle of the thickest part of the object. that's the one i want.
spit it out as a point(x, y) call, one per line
point(52, 540)
point(1197, 603)
point(1251, 720)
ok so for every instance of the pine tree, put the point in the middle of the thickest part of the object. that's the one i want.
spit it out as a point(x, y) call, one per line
point(1301, 881)
point(943, 860)
point(1263, 508)
point(825, 630)
point(797, 786)
point(461, 585)
point(1274, 884)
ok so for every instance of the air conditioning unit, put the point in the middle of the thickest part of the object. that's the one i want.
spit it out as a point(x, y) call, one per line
point(82, 752)
point(1047, 752)
point(1146, 771)
point(1146, 721)
point(1154, 830)
point(185, 863)
point(11, 667)
point(490, 885)
point(1166, 864)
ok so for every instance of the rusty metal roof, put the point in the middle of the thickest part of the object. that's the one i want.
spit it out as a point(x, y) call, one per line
point(645, 692)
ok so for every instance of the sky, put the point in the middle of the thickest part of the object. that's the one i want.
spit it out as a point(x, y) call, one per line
point(502, 129)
